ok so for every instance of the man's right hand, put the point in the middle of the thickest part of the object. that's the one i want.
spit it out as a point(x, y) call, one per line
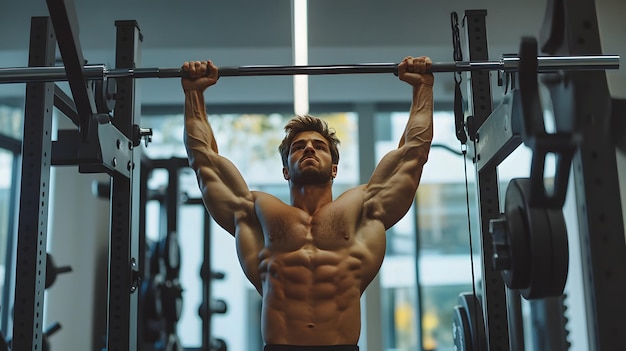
point(201, 75)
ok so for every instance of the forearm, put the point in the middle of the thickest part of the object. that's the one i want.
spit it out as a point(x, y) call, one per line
point(199, 138)
point(419, 128)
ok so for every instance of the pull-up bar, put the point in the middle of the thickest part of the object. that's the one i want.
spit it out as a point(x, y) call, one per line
point(507, 64)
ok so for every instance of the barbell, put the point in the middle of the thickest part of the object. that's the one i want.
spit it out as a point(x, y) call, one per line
point(506, 63)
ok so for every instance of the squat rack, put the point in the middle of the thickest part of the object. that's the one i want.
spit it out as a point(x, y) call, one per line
point(100, 145)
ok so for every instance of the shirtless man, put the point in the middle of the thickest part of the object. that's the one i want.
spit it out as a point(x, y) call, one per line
point(310, 260)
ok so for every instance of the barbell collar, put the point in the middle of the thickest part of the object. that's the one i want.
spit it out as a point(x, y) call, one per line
point(509, 64)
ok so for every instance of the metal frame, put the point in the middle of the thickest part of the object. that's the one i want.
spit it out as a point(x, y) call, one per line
point(98, 146)
point(124, 237)
point(573, 29)
point(581, 101)
point(170, 203)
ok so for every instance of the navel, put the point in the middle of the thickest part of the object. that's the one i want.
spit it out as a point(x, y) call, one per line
point(310, 325)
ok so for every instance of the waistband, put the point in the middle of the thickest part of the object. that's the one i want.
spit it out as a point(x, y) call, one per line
point(282, 347)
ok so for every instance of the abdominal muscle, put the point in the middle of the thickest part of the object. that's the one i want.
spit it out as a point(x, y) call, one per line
point(311, 296)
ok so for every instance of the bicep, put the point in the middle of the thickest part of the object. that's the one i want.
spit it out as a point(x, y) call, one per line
point(391, 189)
point(224, 192)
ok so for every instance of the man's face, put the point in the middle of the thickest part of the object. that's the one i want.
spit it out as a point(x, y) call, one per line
point(310, 161)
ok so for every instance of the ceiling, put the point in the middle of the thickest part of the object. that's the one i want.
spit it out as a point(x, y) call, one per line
point(239, 32)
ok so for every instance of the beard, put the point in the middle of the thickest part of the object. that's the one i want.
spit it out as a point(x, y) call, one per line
point(311, 176)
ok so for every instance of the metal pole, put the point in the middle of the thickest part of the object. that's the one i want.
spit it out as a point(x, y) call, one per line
point(508, 64)
point(32, 230)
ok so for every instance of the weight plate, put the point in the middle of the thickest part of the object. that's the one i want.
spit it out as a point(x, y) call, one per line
point(472, 305)
point(543, 231)
point(540, 254)
point(560, 252)
point(170, 251)
point(518, 275)
point(461, 329)
point(104, 95)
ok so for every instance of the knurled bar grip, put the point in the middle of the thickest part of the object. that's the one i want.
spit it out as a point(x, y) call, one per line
point(508, 64)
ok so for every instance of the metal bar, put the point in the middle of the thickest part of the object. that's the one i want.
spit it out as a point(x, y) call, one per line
point(207, 282)
point(34, 196)
point(508, 64)
point(549, 324)
point(48, 74)
point(516, 320)
point(65, 22)
point(65, 104)
point(501, 131)
point(11, 144)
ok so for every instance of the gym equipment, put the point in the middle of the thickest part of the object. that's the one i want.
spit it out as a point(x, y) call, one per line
point(467, 324)
point(161, 293)
point(218, 344)
point(215, 306)
point(102, 73)
point(530, 244)
point(585, 119)
point(52, 271)
point(51, 330)
point(150, 297)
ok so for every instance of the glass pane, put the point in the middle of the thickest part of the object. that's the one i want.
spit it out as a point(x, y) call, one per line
point(6, 170)
point(11, 121)
point(440, 219)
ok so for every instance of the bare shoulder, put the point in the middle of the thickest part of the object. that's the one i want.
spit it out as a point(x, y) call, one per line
point(263, 196)
point(353, 194)
point(264, 202)
point(350, 202)
point(359, 197)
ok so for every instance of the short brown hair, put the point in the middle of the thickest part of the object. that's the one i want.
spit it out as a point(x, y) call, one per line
point(307, 123)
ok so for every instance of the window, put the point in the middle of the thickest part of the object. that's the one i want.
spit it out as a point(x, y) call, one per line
point(10, 146)
point(434, 264)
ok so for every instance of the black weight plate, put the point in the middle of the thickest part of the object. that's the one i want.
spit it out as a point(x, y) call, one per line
point(170, 252)
point(472, 305)
point(461, 329)
point(560, 252)
point(171, 300)
point(518, 275)
point(539, 239)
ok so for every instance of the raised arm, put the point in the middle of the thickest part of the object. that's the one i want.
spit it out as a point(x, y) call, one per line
point(391, 189)
point(224, 191)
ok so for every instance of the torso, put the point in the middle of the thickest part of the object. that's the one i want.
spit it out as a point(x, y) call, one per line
point(312, 269)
